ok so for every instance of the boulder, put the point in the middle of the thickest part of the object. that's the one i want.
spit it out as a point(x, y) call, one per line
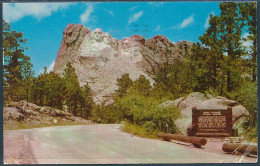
point(47, 110)
point(13, 104)
point(201, 101)
point(239, 117)
point(37, 118)
point(210, 96)
point(34, 107)
point(12, 113)
point(178, 101)
point(27, 110)
point(54, 121)
point(70, 118)
point(168, 104)
point(61, 113)
point(192, 98)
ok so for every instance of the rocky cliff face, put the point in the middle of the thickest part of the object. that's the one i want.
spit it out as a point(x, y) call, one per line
point(100, 59)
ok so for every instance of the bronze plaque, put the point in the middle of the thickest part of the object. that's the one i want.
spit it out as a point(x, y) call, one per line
point(212, 122)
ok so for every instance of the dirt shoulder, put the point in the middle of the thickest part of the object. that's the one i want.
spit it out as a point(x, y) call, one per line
point(17, 149)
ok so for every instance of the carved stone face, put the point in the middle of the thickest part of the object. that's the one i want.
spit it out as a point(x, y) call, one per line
point(114, 43)
point(97, 35)
point(125, 44)
point(107, 38)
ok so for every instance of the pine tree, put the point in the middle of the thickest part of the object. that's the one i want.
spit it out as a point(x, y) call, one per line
point(249, 15)
point(73, 89)
point(176, 78)
point(213, 57)
point(142, 86)
point(221, 52)
point(86, 102)
point(78, 99)
point(231, 26)
point(200, 68)
point(17, 65)
point(123, 84)
point(55, 90)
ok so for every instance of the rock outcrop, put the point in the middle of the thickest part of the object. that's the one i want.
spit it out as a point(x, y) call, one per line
point(72, 38)
point(28, 114)
point(200, 100)
point(159, 50)
point(100, 59)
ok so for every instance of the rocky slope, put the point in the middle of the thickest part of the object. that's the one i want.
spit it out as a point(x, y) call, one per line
point(18, 115)
point(100, 59)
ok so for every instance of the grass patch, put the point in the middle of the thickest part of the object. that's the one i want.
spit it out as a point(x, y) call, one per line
point(139, 131)
point(15, 125)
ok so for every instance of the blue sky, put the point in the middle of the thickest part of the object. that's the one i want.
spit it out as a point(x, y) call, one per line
point(43, 23)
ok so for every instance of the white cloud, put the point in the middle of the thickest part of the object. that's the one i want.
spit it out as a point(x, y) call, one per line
point(50, 68)
point(157, 28)
point(206, 25)
point(110, 12)
point(135, 17)
point(84, 18)
point(14, 12)
point(187, 21)
point(133, 8)
point(175, 27)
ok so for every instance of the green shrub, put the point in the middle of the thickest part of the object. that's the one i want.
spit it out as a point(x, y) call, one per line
point(140, 131)
point(251, 134)
point(247, 96)
point(106, 114)
point(145, 112)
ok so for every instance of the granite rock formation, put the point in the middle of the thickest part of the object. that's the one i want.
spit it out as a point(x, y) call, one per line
point(23, 113)
point(202, 101)
point(100, 59)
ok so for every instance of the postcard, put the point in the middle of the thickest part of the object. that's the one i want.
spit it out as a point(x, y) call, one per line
point(130, 82)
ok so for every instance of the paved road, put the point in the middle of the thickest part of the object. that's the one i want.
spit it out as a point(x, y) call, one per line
point(102, 144)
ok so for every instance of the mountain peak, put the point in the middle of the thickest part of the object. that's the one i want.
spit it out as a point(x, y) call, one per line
point(100, 60)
